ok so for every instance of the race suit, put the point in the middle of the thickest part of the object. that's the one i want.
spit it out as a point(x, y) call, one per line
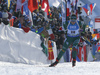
point(72, 38)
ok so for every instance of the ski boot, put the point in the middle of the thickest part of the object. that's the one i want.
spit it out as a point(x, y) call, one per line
point(54, 64)
point(73, 63)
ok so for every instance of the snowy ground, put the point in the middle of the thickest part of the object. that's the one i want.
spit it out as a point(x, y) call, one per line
point(16, 46)
point(81, 68)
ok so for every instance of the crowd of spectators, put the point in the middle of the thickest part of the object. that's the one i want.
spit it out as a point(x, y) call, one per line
point(40, 22)
point(53, 20)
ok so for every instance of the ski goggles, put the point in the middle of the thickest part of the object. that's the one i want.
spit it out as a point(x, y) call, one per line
point(73, 20)
point(73, 17)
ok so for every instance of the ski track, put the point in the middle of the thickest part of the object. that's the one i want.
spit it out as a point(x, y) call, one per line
point(81, 68)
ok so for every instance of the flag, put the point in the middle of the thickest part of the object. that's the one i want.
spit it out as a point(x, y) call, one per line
point(82, 53)
point(68, 8)
point(27, 12)
point(54, 3)
point(8, 3)
point(76, 9)
point(76, 4)
point(85, 7)
point(73, 3)
point(11, 22)
point(22, 6)
point(50, 51)
point(18, 5)
point(95, 36)
point(51, 34)
point(26, 29)
point(45, 6)
point(63, 6)
point(39, 2)
point(98, 49)
point(92, 6)
point(25, 9)
point(32, 5)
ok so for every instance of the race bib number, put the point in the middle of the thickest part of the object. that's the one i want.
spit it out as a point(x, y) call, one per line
point(72, 32)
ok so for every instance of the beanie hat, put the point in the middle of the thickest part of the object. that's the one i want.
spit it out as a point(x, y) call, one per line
point(73, 16)
point(4, 15)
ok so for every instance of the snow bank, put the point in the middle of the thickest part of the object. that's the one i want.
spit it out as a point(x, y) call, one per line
point(16, 46)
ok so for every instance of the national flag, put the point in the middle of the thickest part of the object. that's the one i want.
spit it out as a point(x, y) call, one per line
point(22, 6)
point(51, 34)
point(85, 7)
point(18, 5)
point(27, 12)
point(32, 5)
point(39, 5)
point(76, 4)
point(92, 6)
point(82, 53)
point(76, 9)
point(63, 10)
point(50, 51)
point(95, 36)
point(45, 6)
point(73, 2)
point(54, 3)
point(68, 8)
point(39, 2)
point(8, 3)
point(98, 49)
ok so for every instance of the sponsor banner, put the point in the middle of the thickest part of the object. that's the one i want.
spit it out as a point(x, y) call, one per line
point(97, 23)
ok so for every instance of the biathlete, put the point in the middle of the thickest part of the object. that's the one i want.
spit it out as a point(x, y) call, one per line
point(72, 38)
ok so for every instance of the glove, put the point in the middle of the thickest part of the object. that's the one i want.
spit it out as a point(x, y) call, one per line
point(82, 34)
point(98, 40)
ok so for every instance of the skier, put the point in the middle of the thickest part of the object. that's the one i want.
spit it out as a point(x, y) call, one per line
point(73, 36)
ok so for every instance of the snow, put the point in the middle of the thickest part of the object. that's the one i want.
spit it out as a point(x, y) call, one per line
point(29, 58)
point(21, 54)
point(16, 46)
point(81, 68)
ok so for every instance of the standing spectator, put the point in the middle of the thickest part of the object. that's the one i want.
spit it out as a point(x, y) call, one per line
point(5, 17)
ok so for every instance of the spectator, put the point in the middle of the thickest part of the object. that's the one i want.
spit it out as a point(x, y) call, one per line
point(5, 17)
